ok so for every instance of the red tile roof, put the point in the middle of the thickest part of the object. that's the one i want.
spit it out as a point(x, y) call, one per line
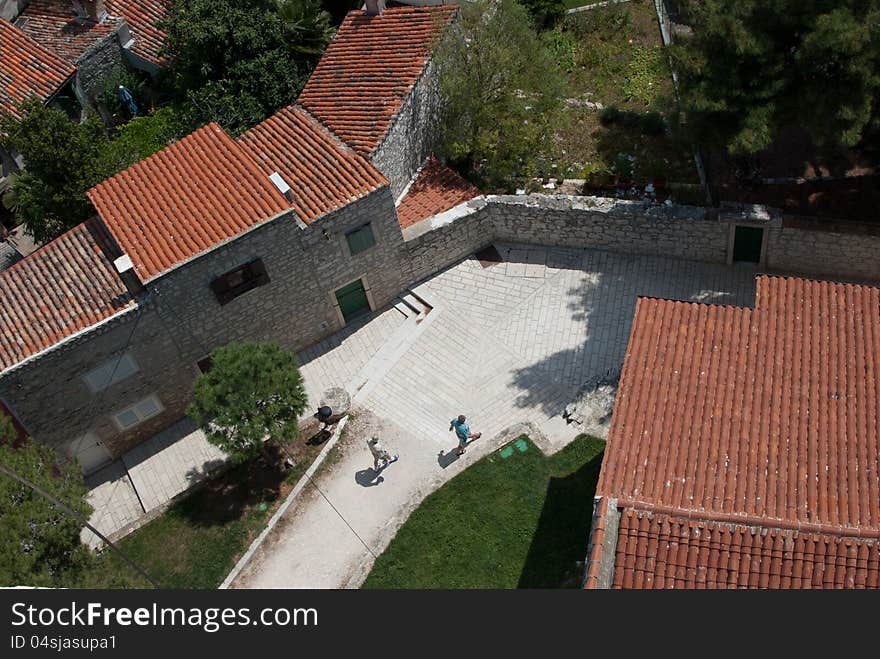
point(185, 199)
point(369, 68)
point(54, 24)
point(764, 417)
point(324, 173)
point(662, 551)
point(142, 17)
point(27, 69)
point(435, 189)
point(65, 286)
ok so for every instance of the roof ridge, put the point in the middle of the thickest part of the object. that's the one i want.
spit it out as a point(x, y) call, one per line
point(708, 305)
point(743, 519)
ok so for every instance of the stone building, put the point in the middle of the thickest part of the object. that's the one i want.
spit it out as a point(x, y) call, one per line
point(283, 234)
point(330, 208)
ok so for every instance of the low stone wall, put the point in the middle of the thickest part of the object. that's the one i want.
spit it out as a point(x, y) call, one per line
point(820, 253)
point(562, 221)
point(683, 232)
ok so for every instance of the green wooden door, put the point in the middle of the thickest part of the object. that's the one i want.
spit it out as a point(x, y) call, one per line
point(747, 244)
point(352, 300)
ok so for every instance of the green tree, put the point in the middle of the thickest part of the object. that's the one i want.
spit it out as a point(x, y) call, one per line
point(306, 26)
point(502, 91)
point(237, 62)
point(63, 159)
point(39, 543)
point(545, 13)
point(753, 67)
point(252, 395)
point(61, 163)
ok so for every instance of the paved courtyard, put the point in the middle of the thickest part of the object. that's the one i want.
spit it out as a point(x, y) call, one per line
point(507, 343)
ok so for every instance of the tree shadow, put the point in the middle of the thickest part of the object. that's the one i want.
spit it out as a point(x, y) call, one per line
point(559, 545)
point(601, 308)
point(227, 497)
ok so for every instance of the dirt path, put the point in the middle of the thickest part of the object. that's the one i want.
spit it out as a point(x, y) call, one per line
point(313, 547)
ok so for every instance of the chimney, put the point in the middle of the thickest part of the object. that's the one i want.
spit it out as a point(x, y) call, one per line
point(374, 7)
point(90, 10)
point(125, 268)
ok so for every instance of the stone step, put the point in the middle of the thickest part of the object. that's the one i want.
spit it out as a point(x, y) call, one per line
point(418, 308)
point(423, 293)
point(404, 309)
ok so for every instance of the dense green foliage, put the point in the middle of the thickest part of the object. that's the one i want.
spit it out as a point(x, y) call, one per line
point(252, 393)
point(753, 67)
point(236, 63)
point(514, 519)
point(64, 159)
point(544, 12)
point(503, 89)
point(39, 543)
point(62, 163)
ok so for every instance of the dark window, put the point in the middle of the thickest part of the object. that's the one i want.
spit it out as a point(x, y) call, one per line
point(360, 239)
point(229, 286)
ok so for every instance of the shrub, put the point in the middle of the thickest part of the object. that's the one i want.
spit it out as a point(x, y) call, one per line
point(610, 115)
point(653, 123)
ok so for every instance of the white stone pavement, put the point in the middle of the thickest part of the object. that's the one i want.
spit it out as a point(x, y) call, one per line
point(505, 344)
point(142, 483)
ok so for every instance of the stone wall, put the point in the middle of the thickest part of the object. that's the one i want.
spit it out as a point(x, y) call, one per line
point(179, 321)
point(52, 400)
point(93, 67)
point(800, 250)
point(412, 135)
point(584, 222)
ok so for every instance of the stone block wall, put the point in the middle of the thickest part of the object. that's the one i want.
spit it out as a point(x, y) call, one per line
point(93, 67)
point(179, 321)
point(412, 135)
point(823, 253)
point(581, 222)
point(50, 397)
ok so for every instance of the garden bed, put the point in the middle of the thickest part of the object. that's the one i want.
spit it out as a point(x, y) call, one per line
point(617, 129)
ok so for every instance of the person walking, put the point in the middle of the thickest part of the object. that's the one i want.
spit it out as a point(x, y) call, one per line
point(379, 452)
point(463, 431)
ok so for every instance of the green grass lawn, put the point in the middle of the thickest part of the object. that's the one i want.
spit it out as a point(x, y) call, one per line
point(514, 519)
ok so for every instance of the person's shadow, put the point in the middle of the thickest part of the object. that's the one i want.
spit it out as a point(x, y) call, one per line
point(369, 477)
point(444, 458)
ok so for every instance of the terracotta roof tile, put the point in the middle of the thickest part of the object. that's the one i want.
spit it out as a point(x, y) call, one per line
point(368, 69)
point(323, 173)
point(662, 551)
point(185, 199)
point(54, 24)
point(435, 189)
point(27, 69)
point(65, 286)
point(142, 17)
point(764, 417)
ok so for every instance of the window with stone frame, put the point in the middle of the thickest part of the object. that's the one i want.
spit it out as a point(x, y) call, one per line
point(361, 239)
point(229, 286)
